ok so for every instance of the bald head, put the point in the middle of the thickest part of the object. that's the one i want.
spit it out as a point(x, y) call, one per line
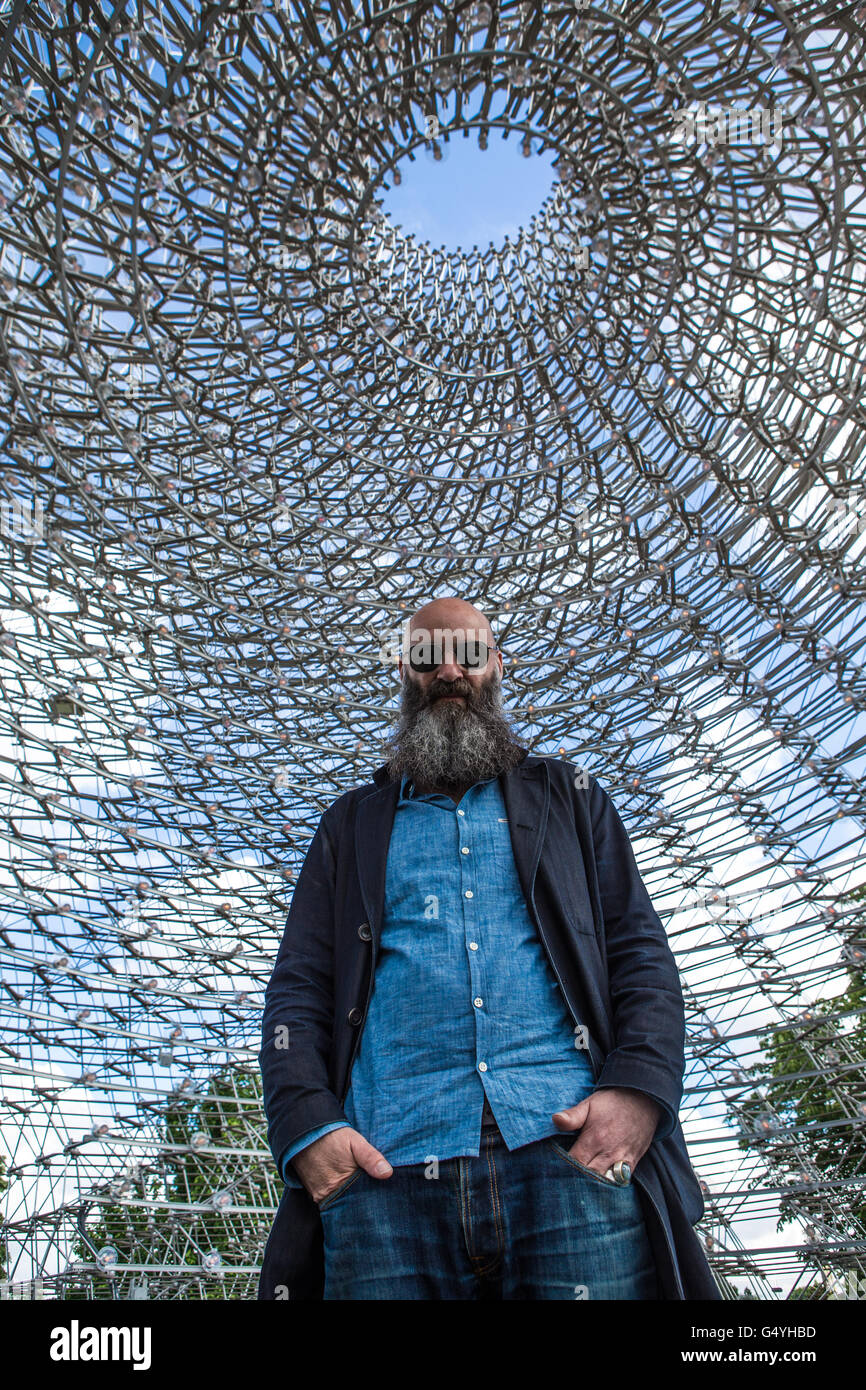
point(448, 638)
point(453, 730)
point(454, 613)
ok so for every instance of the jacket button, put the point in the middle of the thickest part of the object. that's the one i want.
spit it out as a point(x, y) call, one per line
point(355, 1016)
point(364, 932)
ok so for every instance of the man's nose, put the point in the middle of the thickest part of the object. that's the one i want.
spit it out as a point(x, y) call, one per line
point(449, 671)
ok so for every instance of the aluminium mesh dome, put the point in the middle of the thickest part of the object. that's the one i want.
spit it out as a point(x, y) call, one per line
point(250, 423)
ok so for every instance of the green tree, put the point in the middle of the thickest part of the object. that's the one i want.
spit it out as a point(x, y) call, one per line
point(4, 1183)
point(807, 1118)
point(183, 1212)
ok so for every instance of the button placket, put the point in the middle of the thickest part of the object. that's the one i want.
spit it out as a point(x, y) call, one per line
point(468, 877)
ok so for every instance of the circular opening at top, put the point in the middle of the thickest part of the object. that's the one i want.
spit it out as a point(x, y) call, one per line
point(455, 195)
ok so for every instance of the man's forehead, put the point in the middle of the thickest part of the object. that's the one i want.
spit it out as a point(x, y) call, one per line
point(449, 622)
point(457, 625)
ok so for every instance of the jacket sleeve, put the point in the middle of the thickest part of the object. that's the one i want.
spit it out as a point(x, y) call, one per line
point(285, 1166)
point(645, 990)
point(297, 1022)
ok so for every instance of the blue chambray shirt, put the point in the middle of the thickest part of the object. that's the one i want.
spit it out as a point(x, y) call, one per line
point(464, 999)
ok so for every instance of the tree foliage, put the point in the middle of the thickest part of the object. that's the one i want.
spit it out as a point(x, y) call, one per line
point(184, 1211)
point(808, 1120)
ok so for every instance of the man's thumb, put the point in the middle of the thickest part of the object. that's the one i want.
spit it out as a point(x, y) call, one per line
point(573, 1117)
point(371, 1160)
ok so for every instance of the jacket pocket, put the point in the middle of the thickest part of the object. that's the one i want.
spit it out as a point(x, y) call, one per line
point(583, 925)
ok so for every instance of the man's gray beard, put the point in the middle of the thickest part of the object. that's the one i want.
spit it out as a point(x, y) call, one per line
point(452, 744)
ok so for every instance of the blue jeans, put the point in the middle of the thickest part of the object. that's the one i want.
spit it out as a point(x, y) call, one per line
point(529, 1224)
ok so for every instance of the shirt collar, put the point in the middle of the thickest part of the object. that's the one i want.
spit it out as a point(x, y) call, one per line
point(407, 787)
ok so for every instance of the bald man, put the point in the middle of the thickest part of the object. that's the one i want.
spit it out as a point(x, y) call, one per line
point(472, 1046)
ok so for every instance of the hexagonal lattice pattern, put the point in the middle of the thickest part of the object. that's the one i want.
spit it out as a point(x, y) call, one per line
point(250, 423)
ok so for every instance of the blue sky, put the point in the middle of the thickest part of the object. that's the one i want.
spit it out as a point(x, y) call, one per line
point(472, 197)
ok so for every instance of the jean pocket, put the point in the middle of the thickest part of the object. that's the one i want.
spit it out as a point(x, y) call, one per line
point(338, 1191)
point(590, 1172)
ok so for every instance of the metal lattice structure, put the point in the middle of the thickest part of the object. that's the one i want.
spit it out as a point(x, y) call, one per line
point(249, 424)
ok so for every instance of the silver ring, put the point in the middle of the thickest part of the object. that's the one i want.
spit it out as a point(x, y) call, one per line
point(622, 1173)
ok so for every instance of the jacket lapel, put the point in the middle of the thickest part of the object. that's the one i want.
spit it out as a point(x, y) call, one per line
point(526, 793)
point(374, 819)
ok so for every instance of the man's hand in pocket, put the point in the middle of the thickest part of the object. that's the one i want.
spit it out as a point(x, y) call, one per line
point(614, 1123)
point(323, 1165)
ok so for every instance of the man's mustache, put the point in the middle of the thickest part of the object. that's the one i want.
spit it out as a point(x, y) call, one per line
point(458, 687)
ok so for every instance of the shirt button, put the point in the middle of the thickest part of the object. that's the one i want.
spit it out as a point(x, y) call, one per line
point(473, 945)
point(478, 1002)
point(482, 1066)
point(465, 849)
point(461, 813)
point(468, 893)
